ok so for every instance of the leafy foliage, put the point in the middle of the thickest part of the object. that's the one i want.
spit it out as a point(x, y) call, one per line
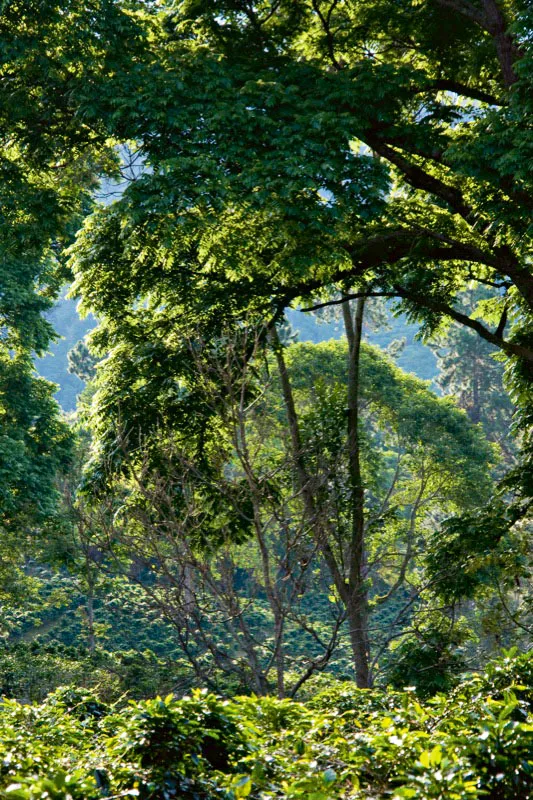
point(272, 154)
point(36, 446)
point(346, 742)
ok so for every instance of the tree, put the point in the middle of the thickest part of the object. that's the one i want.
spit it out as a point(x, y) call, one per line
point(47, 169)
point(214, 539)
point(202, 436)
point(402, 461)
point(50, 54)
point(81, 362)
point(51, 156)
point(35, 447)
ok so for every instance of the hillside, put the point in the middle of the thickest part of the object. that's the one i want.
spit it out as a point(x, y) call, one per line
point(54, 367)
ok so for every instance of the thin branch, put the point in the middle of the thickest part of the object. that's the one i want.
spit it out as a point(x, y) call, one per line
point(346, 297)
point(509, 613)
point(511, 348)
point(326, 24)
point(444, 85)
point(320, 663)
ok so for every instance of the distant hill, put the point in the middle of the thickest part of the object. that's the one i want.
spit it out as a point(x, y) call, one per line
point(54, 367)
point(415, 357)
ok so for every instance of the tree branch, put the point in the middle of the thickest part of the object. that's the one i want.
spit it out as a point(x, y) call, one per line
point(467, 10)
point(392, 246)
point(491, 20)
point(420, 179)
point(346, 297)
point(444, 85)
point(326, 25)
point(389, 248)
point(440, 307)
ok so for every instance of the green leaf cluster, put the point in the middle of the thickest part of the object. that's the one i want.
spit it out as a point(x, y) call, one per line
point(345, 743)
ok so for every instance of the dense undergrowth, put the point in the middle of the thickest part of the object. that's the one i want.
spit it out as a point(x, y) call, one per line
point(475, 742)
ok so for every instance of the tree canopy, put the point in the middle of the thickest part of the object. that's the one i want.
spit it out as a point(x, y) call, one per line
point(294, 150)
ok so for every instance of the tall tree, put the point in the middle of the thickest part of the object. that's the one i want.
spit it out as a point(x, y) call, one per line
point(373, 491)
point(362, 495)
point(51, 155)
point(471, 370)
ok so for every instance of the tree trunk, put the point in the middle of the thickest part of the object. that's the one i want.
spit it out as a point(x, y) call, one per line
point(357, 613)
point(91, 582)
point(505, 46)
point(274, 599)
point(357, 607)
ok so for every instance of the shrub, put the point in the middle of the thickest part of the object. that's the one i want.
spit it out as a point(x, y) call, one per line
point(476, 742)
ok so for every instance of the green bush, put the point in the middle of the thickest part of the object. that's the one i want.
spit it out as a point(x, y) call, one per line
point(173, 746)
point(346, 743)
point(29, 671)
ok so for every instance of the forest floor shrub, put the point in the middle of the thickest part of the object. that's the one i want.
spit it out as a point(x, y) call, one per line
point(475, 742)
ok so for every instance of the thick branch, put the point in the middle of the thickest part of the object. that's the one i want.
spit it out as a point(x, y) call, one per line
point(467, 10)
point(491, 20)
point(505, 47)
point(443, 308)
point(448, 85)
point(389, 248)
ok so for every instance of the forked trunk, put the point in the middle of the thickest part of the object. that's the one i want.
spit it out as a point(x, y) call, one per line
point(351, 588)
